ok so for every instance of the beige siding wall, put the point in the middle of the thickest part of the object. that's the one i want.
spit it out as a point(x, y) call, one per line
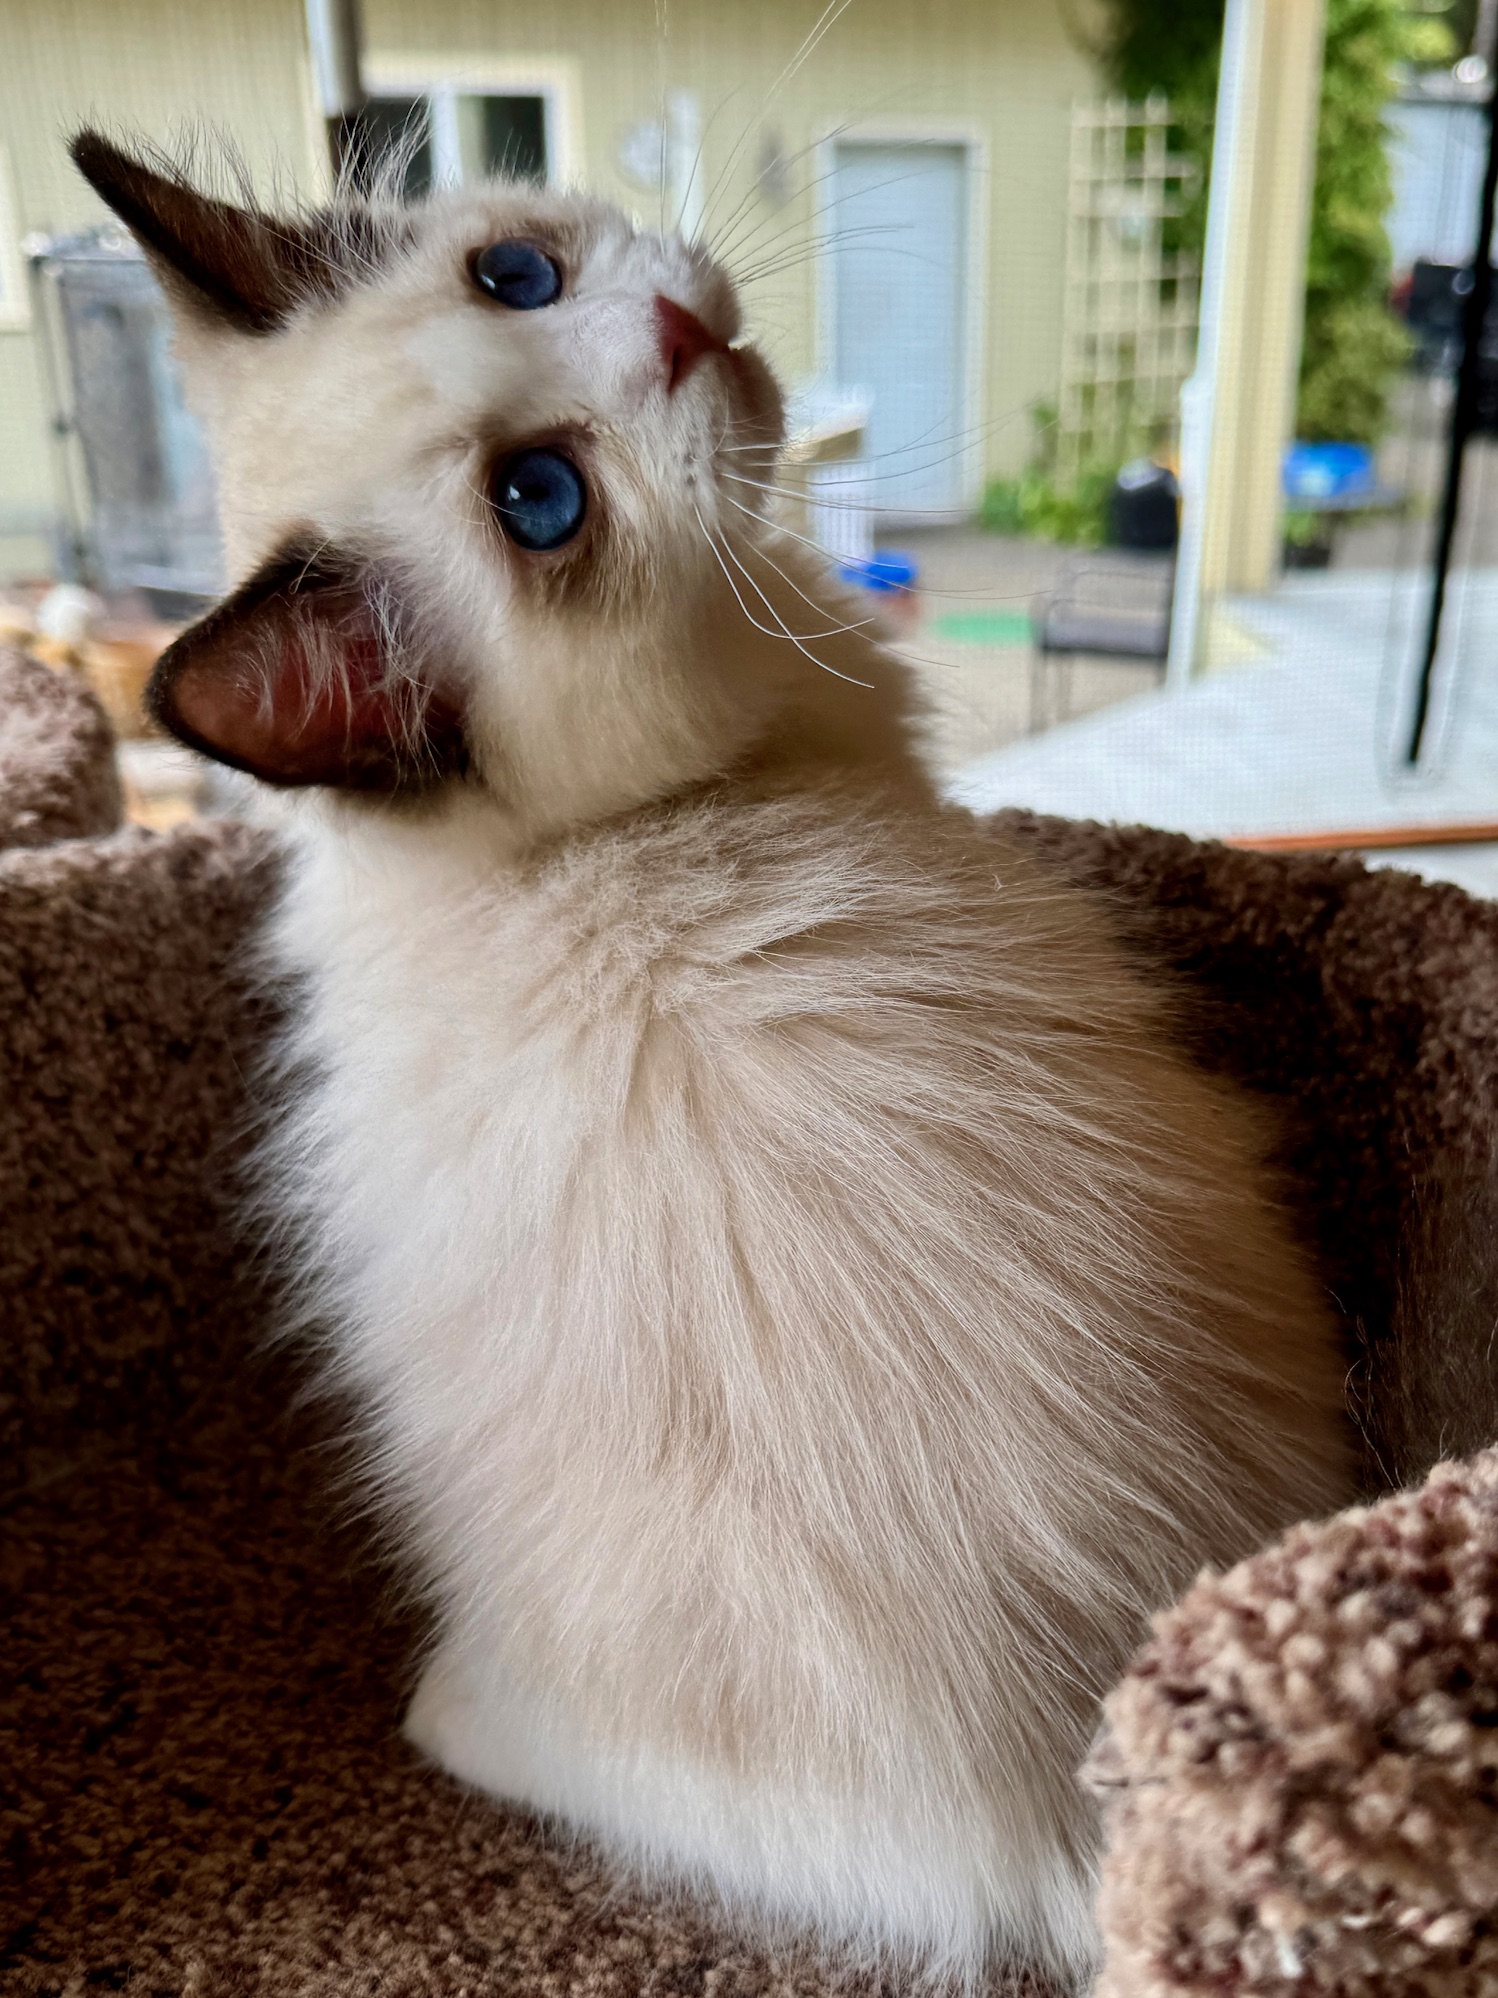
point(157, 66)
point(999, 72)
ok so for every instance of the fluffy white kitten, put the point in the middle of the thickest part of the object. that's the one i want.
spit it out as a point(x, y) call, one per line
point(805, 1311)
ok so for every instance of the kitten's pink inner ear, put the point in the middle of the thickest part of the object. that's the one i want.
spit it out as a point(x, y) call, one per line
point(291, 679)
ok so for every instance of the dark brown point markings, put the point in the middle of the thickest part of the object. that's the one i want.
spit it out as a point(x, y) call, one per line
point(300, 678)
point(247, 268)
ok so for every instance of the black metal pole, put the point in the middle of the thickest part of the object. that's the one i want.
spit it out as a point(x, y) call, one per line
point(1463, 422)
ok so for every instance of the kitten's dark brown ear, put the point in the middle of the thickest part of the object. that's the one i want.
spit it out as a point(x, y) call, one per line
point(301, 677)
point(250, 269)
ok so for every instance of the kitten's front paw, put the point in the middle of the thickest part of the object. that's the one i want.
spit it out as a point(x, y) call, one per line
point(467, 1717)
point(444, 1720)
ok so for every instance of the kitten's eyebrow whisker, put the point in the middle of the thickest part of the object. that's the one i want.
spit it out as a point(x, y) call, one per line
point(784, 631)
point(734, 218)
point(826, 20)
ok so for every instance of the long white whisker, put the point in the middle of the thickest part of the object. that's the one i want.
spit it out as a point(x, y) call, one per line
point(893, 464)
point(827, 19)
point(956, 596)
point(888, 465)
point(734, 218)
point(796, 254)
point(825, 208)
point(662, 30)
point(697, 161)
point(915, 658)
point(863, 624)
point(833, 630)
point(738, 231)
point(768, 632)
point(868, 107)
point(778, 526)
point(873, 506)
point(785, 631)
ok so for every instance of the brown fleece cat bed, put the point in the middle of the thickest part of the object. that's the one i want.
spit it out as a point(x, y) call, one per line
point(202, 1784)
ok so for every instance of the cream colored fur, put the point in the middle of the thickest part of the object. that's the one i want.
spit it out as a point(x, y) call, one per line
point(804, 1312)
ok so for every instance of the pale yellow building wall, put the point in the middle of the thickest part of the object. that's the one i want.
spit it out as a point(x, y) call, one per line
point(160, 67)
point(1001, 73)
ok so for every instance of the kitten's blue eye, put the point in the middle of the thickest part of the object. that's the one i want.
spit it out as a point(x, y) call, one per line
point(518, 275)
point(540, 498)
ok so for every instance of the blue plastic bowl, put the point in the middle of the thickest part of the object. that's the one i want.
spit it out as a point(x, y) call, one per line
point(1322, 472)
point(887, 572)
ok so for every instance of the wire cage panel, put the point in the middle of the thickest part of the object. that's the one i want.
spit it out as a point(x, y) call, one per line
point(152, 512)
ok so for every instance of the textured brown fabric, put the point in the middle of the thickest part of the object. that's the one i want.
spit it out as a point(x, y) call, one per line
point(202, 1785)
point(204, 1789)
point(126, 1032)
point(1304, 1765)
point(57, 771)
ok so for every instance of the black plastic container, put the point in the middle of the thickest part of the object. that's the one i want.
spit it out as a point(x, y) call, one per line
point(1144, 506)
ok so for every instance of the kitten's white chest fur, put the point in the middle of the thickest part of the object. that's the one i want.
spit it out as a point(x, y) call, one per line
point(805, 1318)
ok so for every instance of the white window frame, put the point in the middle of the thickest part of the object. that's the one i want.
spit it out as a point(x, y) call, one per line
point(442, 80)
point(15, 299)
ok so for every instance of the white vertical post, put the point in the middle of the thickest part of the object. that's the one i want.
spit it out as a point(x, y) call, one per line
point(684, 176)
point(333, 40)
point(1237, 87)
point(446, 137)
point(1238, 411)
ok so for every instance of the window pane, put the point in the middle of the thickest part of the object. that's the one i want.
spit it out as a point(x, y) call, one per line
point(515, 137)
point(400, 126)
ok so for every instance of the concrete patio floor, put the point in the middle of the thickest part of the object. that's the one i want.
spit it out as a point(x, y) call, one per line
point(971, 647)
point(1301, 731)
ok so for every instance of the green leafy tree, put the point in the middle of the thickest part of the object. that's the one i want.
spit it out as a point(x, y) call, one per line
point(1354, 345)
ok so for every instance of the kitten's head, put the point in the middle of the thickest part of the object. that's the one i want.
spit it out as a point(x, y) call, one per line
point(489, 468)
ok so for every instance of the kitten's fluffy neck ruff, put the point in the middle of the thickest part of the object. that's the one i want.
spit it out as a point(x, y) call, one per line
point(770, 718)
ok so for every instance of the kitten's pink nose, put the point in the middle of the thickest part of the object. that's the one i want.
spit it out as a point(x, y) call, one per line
point(683, 340)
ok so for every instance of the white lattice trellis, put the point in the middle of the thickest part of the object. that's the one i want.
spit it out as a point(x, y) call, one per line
point(1129, 323)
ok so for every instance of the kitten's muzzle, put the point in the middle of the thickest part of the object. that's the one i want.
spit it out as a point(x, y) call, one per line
point(684, 340)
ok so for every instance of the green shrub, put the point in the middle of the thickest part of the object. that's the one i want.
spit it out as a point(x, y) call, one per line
point(1034, 505)
point(1354, 346)
point(1353, 350)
